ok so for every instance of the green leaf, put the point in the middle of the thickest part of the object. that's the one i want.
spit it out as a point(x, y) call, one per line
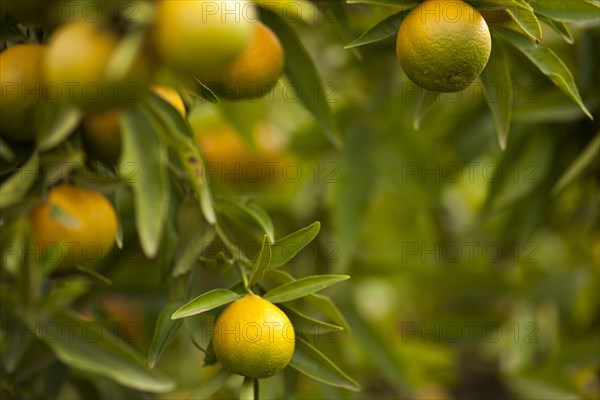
point(286, 248)
point(206, 302)
point(58, 123)
point(559, 27)
point(322, 303)
point(301, 71)
point(195, 234)
point(180, 137)
point(547, 62)
point(527, 21)
point(87, 346)
point(164, 331)
point(588, 156)
point(311, 362)
point(16, 187)
point(252, 210)
point(308, 324)
point(204, 92)
point(206, 389)
point(125, 55)
point(384, 29)
point(262, 263)
point(427, 99)
point(6, 152)
point(144, 152)
point(498, 91)
point(302, 287)
point(567, 11)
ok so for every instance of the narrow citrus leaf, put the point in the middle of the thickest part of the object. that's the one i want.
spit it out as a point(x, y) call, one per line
point(204, 92)
point(17, 186)
point(247, 389)
point(6, 152)
point(311, 362)
point(559, 27)
point(180, 136)
point(94, 274)
point(195, 235)
point(583, 161)
point(286, 248)
point(528, 22)
point(58, 123)
point(253, 211)
point(308, 324)
point(426, 100)
point(302, 287)
point(567, 11)
point(325, 305)
point(322, 303)
point(262, 263)
point(145, 155)
point(208, 388)
point(206, 302)
point(124, 56)
point(498, 91)
point(164, 331)
point(547, 62)
point(501, 4)
point(106, 355)
point(384, 29)
point(301, 71)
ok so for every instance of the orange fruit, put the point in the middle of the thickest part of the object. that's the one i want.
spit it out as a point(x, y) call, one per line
point(256, 71)
point(253, 338)
point(229, 158)
point(200, 37)
point(21, 91)
point(76, 63)
point(443, 45)
point(83, 222)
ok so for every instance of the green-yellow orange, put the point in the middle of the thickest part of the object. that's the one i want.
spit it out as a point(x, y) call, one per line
point(200, 37)
point(443, 45)
point(77, 64)
point(253, 338)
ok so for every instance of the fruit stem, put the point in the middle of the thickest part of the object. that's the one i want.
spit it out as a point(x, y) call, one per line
point(244, 277)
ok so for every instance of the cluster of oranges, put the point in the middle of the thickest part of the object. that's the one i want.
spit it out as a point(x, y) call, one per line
point(99, 65)
point(94, 64)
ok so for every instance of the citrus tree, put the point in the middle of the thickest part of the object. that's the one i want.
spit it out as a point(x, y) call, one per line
point(168, 166)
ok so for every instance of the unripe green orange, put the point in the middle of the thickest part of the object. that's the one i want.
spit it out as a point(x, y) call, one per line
point(201, 37)
point(443, 45)
point(77, 64)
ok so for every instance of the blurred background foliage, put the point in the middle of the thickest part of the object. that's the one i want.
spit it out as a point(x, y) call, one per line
point(473, 274)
